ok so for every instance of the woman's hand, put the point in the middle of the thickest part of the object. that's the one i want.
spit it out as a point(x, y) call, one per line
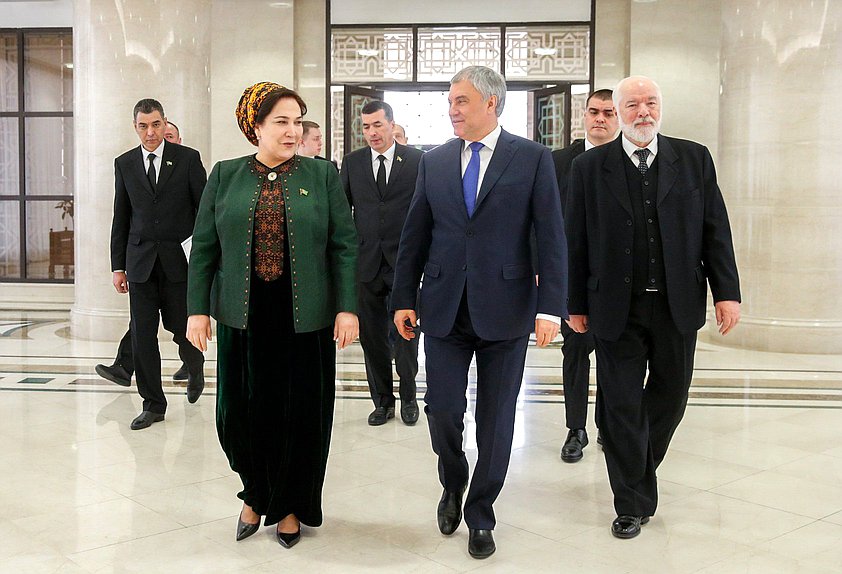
point(199, 331)
point(345, 330)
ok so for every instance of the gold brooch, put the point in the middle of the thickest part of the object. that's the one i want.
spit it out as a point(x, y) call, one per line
point(399, 158)
point(272, 176)
point(303, 191)
point(169, 163)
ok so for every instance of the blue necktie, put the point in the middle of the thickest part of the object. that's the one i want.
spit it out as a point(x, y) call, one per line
point(471, 179)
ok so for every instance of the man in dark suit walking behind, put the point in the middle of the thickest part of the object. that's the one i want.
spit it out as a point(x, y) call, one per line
point(379, 181)
point(468, 231)
point(600, 128)
point(648, 230)
point(157, 191)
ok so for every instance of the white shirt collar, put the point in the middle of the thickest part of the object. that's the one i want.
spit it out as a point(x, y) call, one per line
point(158, 151)
point(489, 141)
point(630, 148)
point(389, 154)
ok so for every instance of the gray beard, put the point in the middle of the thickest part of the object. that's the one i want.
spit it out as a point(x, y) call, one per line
point(641, 133)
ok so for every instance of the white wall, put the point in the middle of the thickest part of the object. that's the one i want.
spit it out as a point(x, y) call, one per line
point(251, 41)
point(451, 11)
point(677, 43)
point(45, 14)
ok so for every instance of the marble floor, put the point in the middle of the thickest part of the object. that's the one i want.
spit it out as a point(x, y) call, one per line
point(752, 483)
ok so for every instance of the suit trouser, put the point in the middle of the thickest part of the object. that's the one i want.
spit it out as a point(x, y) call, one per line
point(379, 340)
point(124, 356)
point(146, 299)
point(575, 370)
point(499, 374)
point(637, 422)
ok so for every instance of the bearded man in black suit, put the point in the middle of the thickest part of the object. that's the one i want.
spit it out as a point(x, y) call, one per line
point(157, 191)
point(647, 231)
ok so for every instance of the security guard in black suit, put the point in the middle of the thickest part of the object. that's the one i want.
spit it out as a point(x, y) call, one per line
point(379, 181)
point(157, 192)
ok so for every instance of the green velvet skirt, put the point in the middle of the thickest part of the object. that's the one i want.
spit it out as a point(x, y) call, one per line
point(274, 405)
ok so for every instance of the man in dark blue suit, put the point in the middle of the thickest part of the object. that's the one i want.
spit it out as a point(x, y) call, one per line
point(467, 231)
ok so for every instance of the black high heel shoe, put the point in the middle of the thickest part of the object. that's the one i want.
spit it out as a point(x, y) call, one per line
point(288, 540)
point(244, 529)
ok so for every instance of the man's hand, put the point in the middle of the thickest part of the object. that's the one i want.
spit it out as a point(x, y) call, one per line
point(545, 332)
point(121, 284)
point(346, 328)
point(401, 317)
point(199, 331)
point(578, 323)
point(727, 315)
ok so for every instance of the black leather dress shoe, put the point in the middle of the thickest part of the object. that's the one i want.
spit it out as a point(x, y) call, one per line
point(577, 439)
point(480, 543)
point(245, 529)
point(145, 420)
point(115, 373)
point(627, 526)
point(449, 511)
point(181, 373)
point(288, 540)
point(380, 415)
point(409, 413)
point(195, 386)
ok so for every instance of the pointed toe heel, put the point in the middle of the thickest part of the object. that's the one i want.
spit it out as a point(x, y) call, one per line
point(244, 529)
point(288, 540)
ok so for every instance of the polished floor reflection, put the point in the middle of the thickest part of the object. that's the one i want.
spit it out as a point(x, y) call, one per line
point(753, 482)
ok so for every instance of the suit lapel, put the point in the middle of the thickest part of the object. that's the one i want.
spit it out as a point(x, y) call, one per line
point(503, 154)
point(667, 168)
point(367, 165)
point(615, 174)
point(167, 166)
point(397, 163)
point(140, 169)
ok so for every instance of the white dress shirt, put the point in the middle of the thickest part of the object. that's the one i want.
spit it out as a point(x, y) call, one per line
point(630, 148)
point(389, 154)
point(489, 142)
point(159, 158)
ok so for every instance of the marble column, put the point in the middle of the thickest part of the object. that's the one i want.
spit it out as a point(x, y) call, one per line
point(125, 50)
point(780, 169)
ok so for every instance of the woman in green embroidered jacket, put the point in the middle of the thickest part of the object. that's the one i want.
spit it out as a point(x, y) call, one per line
point(273, 260)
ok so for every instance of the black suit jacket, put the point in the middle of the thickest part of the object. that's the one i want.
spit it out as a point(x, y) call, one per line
point(149, 224)
point(379, 220)
point(562, 160)
point(696, 234)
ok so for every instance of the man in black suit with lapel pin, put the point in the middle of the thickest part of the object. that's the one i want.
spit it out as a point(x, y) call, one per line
point(157, 192)
point(121, 370)
point(379, 181)
point(468, 230)
point(648, 230)
point(600, 128)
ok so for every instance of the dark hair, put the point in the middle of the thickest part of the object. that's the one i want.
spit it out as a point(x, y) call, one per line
point(374, 105)
point(175, 126)
point(147, 106)
point(308, 125)
point(603, 95)
point(273, 98)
